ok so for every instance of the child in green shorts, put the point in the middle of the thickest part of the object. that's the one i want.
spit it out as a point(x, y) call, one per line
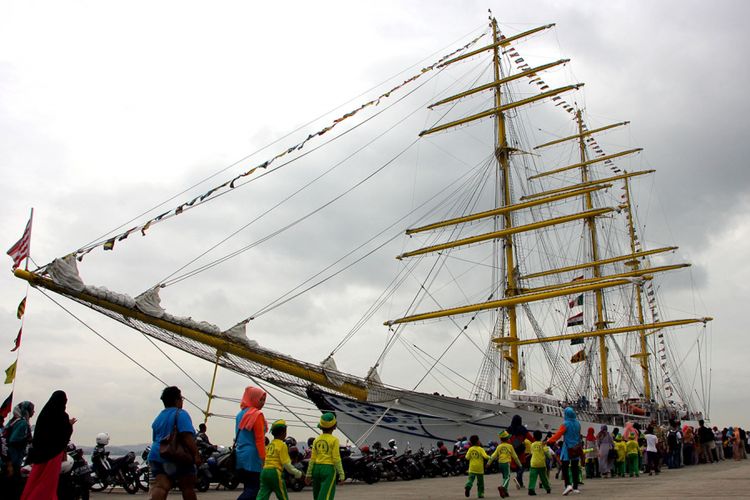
point(325, 462)
point(277, 458)
point(539, 454)
point(476, 457)
point(504, 453)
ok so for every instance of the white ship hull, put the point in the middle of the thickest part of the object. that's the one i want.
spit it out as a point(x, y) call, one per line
point(422, 419)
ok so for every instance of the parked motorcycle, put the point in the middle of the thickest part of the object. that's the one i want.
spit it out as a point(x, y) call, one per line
point(216, 468)
point(75, 476)
point(108, 472)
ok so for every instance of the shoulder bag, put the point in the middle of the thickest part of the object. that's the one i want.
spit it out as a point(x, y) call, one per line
point(173, 448)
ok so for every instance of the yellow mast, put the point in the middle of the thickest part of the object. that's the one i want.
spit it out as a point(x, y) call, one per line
point(210, 394)
point(638, 288)
point(601, 322)
point(501, 153)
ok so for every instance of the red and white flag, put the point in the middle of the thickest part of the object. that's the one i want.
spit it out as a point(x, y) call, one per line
point(22, 248)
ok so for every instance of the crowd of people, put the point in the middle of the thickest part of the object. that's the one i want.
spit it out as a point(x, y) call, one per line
point(174, 455)
point(603, 454)
point(260, 461)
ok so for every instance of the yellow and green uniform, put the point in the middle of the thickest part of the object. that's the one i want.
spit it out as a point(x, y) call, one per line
point(325, 465)
point(476, 457)
point(620, 448)
point(539, 454)
point(633, 453)
point(504, 453)
point(271, 477)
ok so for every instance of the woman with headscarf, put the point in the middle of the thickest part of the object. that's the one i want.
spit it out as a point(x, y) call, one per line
point(604, 444)
point(571, 452)
point(519, 435)
point(250, 431)
point(737, 445)
point(51, 436)
point(688, 445)
point(18, 437)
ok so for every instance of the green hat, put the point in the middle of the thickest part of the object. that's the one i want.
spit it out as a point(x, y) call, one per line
point(504, 435)
point(619, 437)
point(278, 424)
point(327, 420)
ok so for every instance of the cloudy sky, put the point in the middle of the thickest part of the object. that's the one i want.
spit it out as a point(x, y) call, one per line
point(110, 108)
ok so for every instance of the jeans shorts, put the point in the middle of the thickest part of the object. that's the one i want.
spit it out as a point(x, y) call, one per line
point(172, 471)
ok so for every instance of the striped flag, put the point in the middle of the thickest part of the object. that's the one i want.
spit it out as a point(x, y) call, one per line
point(22, 248)
point(21, 309)
point(576, 319)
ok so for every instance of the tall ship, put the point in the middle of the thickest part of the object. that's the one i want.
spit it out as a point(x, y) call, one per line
point(523, 247)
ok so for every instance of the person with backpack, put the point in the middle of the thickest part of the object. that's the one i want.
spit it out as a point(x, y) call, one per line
point(520, 439)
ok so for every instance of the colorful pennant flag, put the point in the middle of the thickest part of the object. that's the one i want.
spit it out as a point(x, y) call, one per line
point(6, 406)
point(17, 342)
point(578, 301)
point(579, 356)
point(22, 248)
point(10, 373)
point(21, 309)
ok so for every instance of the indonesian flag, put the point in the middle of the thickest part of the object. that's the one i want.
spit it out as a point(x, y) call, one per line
point(22, 248)
point(576, 319)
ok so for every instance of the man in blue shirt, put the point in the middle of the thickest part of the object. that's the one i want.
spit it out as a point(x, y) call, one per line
point(166, 474)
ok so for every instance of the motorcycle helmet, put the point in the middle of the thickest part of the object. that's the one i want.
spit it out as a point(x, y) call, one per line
point(365, 449)
point(102, 439)
point(391, 443)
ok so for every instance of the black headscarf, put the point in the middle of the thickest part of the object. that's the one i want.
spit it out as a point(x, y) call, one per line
point(52, 431)
point(516, 427)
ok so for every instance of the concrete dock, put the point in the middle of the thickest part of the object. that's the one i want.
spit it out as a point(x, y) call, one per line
point(727, 479)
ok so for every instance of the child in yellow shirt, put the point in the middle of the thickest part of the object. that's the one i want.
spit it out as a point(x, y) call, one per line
point(504, 453)
point(325, 462)
point(540, 452)
point(633, 453)
point(476, 457)
point(620, 448)
point(277, 458)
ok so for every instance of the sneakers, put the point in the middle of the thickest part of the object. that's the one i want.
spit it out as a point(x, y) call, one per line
point(467, 492)
point(567, 490)
point(518, 485)
point(549, 490)
point(503, 492)
point(576, 492)
point(532, 493)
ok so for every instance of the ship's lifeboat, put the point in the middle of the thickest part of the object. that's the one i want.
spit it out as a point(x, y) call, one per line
point(636, 410)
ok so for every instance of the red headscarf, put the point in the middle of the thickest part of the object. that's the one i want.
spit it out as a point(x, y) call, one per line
point(253, 399)
point(591, 436)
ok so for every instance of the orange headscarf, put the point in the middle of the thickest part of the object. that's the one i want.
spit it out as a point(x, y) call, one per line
point(253, 399)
